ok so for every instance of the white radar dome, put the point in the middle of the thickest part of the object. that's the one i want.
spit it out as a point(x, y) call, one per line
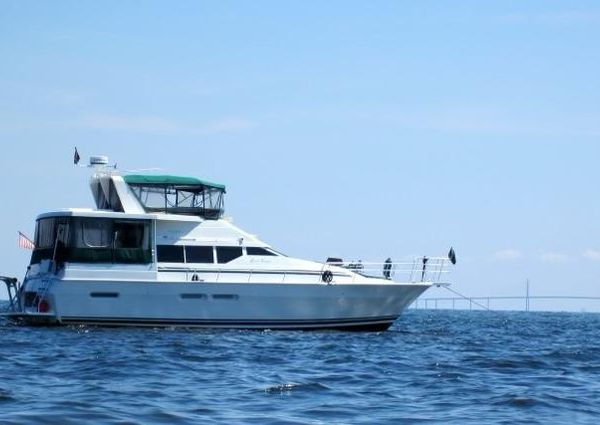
point(98, 160)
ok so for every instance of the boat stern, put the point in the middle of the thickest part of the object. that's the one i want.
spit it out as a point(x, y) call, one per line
point(32, 319)
point(33, 302)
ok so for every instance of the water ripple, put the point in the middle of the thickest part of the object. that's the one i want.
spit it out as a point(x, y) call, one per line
point(441, 367)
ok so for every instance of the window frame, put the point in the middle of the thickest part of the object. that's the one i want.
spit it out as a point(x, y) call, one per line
point(268, 252)
point(74, 247)
point(241, 251)
point(160, 247)
point(209, 248)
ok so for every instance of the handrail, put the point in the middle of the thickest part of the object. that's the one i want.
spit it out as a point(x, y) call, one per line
point(13, 287)
point(420, 269)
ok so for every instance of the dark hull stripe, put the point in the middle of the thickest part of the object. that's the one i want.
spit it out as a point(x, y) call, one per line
point(365, 324)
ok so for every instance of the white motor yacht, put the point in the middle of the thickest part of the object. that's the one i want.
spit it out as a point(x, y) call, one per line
point(157, 251)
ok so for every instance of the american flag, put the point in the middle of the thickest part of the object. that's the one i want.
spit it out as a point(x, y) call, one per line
point(24, 242)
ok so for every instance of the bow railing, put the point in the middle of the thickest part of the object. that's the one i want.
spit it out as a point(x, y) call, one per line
point(417, 269)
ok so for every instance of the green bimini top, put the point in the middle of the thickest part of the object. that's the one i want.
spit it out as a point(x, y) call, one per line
point(145, 179)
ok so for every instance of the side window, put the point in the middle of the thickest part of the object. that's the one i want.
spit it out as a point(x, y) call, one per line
point(101, 201)
point(169, 253)
point(94, 240)
point(45, 233)
point(97, 233)
point(252, 250)
point(225, 254)
point(199, 254)
point(129, 234)
point(113, 197)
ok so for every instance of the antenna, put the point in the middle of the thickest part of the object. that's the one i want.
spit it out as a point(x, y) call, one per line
point(527, 296)
point(142, 170)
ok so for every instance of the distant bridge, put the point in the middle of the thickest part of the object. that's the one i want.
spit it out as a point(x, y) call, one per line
point(484, 303)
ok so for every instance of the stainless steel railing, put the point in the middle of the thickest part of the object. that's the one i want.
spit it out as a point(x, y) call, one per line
point(418, 269)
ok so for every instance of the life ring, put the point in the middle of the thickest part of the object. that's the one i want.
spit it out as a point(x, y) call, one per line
point(327, 276)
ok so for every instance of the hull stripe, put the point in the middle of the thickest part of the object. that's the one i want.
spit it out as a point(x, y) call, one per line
point(264, 324)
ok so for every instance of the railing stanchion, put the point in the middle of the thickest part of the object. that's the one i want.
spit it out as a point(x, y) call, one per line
point(407, 271)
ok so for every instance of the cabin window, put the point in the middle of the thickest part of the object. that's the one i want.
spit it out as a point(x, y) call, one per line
point(45, 233)
point(45, 238)
point(225, 254)
point(199, 254)
point(110, 200)
point(169, 253)
point(128, 234)
point(101, 201)
point(253, 250)
point(95, 233)
point(93, 240)
point(113, 197)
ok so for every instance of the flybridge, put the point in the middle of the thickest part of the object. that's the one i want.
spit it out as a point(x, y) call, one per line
point(178, 195)
point(150, 193)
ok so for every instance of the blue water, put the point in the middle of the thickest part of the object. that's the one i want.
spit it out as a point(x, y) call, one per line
point(430, 367)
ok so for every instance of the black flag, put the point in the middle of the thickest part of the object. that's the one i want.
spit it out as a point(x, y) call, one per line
point(452, 256)
point(76, 157)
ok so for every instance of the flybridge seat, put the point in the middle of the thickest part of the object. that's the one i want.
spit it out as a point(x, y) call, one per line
point(178, 195)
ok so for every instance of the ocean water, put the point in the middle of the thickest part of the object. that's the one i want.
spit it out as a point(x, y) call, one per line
point(430, 367)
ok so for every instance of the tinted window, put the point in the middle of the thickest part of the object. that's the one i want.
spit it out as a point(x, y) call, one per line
point(113, 198)
point(252, 250)
point(93, 240)
point(225, 254)
point(169, 253)
point(101, 201)
point(45, 233)
point(199, 254)
point(97, 233)
point(129, 234)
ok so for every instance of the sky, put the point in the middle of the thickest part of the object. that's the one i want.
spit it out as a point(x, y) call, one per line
point(354, 129)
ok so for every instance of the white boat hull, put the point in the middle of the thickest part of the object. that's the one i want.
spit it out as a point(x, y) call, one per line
point(227, 305)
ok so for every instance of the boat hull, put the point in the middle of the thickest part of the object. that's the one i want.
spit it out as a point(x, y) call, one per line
point(221, 305)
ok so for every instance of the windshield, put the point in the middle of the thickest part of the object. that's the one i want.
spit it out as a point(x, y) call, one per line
point(207, 202)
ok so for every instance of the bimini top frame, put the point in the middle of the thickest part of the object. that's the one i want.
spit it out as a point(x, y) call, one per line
point(178, 195)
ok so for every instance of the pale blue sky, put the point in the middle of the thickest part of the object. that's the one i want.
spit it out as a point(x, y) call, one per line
point(355, 129)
